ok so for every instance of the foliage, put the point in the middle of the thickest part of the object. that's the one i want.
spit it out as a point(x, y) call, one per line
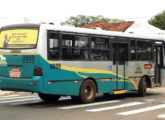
point(82, 20)
point(158, 20)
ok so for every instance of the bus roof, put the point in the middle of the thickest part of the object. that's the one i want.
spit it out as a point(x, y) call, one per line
point(83, 31)
point(20, 26)
point(99, 32)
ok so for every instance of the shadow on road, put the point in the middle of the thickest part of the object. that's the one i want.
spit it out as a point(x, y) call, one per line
point(99, 98)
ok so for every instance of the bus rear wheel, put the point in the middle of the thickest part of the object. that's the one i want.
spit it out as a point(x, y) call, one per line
point(87, 91)
point(142, 90)
point(48, 97)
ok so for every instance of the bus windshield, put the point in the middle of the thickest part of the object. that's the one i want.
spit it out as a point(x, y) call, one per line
point(18, 38)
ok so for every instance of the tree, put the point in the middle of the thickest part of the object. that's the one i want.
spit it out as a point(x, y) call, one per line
point(158, 20)
point(82, 20)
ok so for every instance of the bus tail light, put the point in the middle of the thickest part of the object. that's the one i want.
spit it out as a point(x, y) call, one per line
point(34, 83)
point(51, 82)
point(37, 71)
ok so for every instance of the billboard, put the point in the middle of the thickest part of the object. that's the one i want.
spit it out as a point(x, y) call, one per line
point(18, 38)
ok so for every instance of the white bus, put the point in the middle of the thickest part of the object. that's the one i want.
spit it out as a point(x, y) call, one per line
point(55, 61)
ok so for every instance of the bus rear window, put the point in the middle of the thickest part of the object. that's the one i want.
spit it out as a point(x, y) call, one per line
point(18, 38)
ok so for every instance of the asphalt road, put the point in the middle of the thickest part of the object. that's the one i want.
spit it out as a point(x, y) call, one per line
point(116, 107)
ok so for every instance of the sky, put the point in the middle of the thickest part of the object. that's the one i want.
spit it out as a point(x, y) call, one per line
point(14, 11)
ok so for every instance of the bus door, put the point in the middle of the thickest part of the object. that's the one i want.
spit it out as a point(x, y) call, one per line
point(158, 53)
point(120, 56)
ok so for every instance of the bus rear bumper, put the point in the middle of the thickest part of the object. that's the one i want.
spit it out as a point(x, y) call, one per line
point(35, 84)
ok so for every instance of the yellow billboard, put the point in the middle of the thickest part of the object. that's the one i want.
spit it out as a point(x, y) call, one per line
point(18, 38)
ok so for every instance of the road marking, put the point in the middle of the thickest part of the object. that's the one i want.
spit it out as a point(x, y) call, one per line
point(87, 105)
point(161, 116)
point(115, 107)
point(142, 110)
point(65, 98)
point(19, 100)
point(16, 97)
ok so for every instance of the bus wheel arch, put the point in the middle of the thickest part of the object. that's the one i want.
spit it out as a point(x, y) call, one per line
point(94, 80)
point(143, 84)
point(148, 81)
point(88, 90)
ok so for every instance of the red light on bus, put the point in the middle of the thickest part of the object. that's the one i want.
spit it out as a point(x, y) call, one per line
point(34, 83)
point(51, 82)
point(147, 66)
point(77, 81)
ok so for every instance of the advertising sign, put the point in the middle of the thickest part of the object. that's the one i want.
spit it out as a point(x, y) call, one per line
point(18, 38)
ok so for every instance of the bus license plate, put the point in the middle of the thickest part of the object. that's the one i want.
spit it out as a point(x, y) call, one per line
point(15, 73)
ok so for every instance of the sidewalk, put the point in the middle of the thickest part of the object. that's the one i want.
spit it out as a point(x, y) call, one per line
point(157, 89)
point(2, 93)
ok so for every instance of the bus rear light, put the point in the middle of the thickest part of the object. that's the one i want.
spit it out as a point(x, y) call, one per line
point(77, 81)
point(34, 83)
point(37, 71)
point(51, 82)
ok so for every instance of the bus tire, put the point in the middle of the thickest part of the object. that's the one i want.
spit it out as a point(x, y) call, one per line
point(142, 89)
point(87, 91)
point(48, 97)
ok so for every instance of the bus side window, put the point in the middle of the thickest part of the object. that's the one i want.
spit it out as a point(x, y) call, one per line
point(74, 47)
point(149, 51)
point(81, 43)
point(133, 52)
point(100, 49)
point(53, 47)
point(144, 50)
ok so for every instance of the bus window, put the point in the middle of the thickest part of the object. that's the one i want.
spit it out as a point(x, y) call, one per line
point(81, 42)
point(99, 43)
point(74, 47)
point(144, 50)
point(149, 51)
point(99, 55)
point(53, 49)
point(100, 49)
point(133, 53)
